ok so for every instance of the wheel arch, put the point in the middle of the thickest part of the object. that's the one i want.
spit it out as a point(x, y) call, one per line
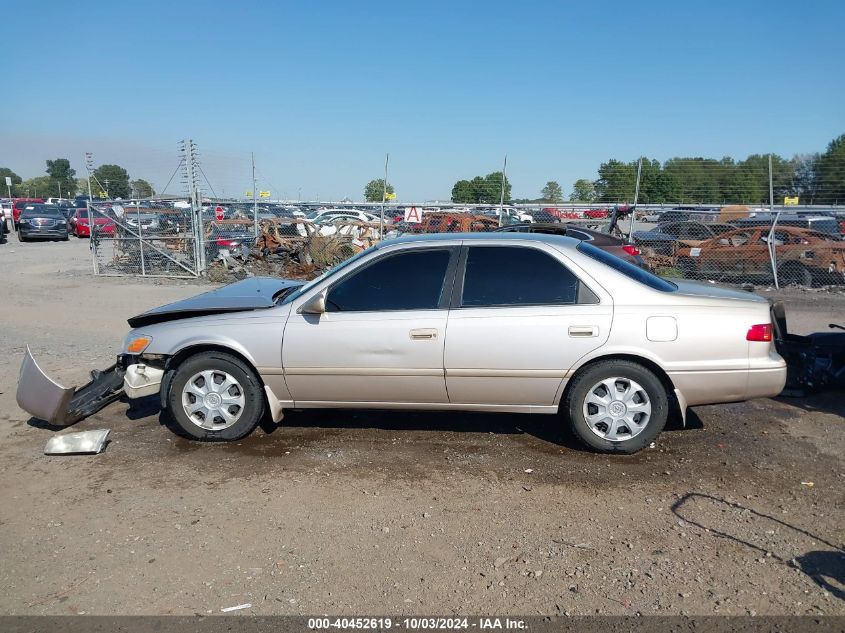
point(196, 348)
point(651, 365)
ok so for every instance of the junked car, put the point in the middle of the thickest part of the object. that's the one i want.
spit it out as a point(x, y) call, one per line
point(803, 257)
point(609, 243)
point(665, 238)
point(500, 322)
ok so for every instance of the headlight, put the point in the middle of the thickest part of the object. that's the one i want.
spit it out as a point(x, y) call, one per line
point(61, 222)
point(22, 221)
point(136, 343)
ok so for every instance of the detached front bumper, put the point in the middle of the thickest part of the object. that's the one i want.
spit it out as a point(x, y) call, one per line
point(45, 399)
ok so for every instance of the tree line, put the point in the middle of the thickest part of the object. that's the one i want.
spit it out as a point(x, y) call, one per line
point(107, 181)
point(813, 178)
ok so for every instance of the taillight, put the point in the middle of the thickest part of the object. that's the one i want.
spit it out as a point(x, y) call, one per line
point(761, 333)
point(631, 250)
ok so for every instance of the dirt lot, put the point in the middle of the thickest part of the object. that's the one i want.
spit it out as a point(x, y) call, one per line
point(397, 513)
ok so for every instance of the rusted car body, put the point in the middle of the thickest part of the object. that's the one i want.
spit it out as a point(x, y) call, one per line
point(803, 256)
point(442, 222)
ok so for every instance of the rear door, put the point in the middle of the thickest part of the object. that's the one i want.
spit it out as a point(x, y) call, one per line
point(520, 319)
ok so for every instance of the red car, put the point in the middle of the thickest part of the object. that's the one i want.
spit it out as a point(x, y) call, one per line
point(19, 204)
point(80, 228)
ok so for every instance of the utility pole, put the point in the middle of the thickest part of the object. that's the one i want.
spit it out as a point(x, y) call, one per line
point(254, 199)
point(60, 189)
point(189, 158)
point(89, 167)
point(383, 198)
point(502, 196)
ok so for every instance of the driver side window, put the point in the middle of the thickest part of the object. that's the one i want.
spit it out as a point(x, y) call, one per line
point(411, 280)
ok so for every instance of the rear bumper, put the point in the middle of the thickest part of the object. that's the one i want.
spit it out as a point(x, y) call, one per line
point(765, 380)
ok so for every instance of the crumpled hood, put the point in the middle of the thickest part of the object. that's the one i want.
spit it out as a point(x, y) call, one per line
point(256, 293)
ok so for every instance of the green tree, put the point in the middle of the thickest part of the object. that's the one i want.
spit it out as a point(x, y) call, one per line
point(583, 191)
point(65, 177)
point(804, 177)
point(616, 182)
point(463, 192)
point(38, 187)
point(113, 179)
point(552, 192)
point(16, 180)
point(491, 189)
point(830, 173)
point(142, 189)
point(374, 190)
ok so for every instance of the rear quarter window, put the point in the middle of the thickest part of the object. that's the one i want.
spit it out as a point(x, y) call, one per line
point(629, 270)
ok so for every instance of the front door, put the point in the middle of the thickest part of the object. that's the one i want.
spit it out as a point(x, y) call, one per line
point(520, 320)
point(380, 340)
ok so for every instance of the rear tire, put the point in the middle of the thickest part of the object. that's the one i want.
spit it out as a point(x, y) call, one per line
point(616, 406)
point(223, 413)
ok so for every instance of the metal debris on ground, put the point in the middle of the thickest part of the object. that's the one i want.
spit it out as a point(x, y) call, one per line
point(294, 249)
point(78, 443)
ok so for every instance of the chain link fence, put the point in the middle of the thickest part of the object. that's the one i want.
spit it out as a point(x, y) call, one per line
point(737, 246)
point(146, 238)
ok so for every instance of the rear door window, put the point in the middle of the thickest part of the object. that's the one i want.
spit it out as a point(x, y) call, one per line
point(515, 276)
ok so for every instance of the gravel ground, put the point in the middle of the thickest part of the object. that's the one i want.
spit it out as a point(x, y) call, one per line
point(356, 512)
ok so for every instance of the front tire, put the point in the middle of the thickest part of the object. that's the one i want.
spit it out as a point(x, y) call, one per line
point(215, 396)
point(617, 406)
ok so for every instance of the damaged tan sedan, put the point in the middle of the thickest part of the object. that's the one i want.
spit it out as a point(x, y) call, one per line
point(523, 323)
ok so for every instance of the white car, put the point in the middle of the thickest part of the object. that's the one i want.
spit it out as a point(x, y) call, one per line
point(506, 322)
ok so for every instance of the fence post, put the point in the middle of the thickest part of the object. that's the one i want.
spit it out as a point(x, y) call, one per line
point(91, 243)
point(772, 250)
point(140, 238)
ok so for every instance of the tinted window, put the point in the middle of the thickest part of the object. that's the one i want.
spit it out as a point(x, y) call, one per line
point(406, 281)
point(510, 275)
point(627, 269)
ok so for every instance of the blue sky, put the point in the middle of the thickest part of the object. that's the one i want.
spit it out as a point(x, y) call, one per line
point(321, 90)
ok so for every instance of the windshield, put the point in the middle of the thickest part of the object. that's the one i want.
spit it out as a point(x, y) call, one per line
point(629, 270)
point(331, 271)
point(41, 212)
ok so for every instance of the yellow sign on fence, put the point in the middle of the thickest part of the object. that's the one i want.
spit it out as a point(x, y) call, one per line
point(247, 194)
point(264, 194)
point(390, 196)
point(787, 201)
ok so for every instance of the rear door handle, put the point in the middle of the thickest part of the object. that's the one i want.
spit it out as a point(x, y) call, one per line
point(422, 334)
point(583, 331)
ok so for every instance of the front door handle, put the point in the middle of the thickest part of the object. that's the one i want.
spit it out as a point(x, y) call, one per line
point(583, 331)
point(422, 334)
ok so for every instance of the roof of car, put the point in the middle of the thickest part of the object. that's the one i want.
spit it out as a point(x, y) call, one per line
point(560, 240)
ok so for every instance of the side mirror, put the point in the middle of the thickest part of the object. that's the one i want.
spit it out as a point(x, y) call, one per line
point(315, 305)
